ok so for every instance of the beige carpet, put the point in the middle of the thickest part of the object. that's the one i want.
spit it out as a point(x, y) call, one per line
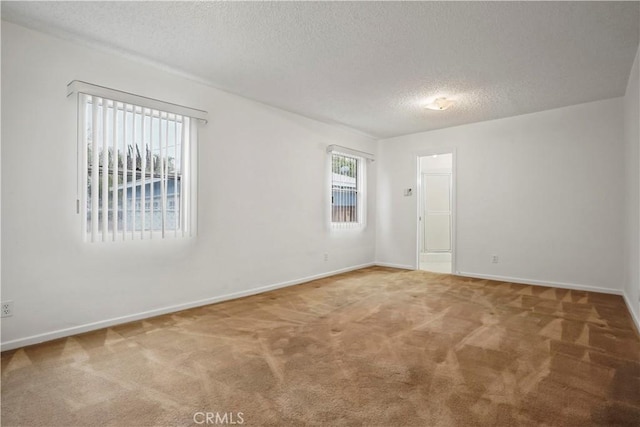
point(375, 347)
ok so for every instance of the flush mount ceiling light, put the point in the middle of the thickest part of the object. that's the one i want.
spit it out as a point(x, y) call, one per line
point(439, 104)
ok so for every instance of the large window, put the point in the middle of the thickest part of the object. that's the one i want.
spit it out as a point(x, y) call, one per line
point(347, 190)
point(137, 168)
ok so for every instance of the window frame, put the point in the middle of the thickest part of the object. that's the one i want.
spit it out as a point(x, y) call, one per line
point(189, 162)
point(360, 188)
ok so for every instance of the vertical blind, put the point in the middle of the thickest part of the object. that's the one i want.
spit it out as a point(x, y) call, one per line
point(348, 186)
point(347, 190)
point(136, 166)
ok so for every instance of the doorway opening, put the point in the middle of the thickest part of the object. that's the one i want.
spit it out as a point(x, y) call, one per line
point(435, 213)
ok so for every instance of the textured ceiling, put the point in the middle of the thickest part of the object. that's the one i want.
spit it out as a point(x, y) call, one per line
point(370, 66)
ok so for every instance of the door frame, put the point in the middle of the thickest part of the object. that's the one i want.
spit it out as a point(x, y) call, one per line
point(454, 204)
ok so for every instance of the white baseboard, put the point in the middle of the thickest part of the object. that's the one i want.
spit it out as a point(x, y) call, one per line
point(61, 333)
point(400, 266)
point(573, 286)
point(634, 316)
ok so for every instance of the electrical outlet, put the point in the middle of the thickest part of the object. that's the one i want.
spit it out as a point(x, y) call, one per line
point(6, 309)
point(494, 259)
point(326, 257)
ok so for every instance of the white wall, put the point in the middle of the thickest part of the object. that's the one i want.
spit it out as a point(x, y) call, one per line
point(542, 191)
point(632, 205)
point(262, 195)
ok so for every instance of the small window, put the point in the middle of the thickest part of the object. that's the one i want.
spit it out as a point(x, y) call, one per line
point(347, 190)
point(135, 162)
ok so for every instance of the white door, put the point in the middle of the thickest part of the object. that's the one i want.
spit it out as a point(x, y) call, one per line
point(436, 212)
